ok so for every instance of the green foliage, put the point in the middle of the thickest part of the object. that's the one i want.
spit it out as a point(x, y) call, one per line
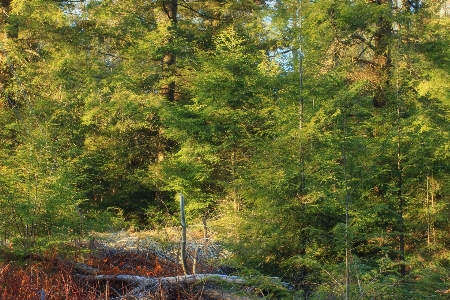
point(108, 108)
point(216, 129)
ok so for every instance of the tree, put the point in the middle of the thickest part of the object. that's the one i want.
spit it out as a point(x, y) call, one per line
point(360, 93)
point(38, 198)
point(217, 130)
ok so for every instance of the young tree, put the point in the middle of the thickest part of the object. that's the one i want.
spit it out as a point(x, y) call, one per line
point(38, 196)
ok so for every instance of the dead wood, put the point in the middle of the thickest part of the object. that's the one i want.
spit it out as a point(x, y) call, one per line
point(84, 269)
point(170, 281)
point(144, 285)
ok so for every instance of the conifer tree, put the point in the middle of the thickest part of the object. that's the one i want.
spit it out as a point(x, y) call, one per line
point(38, 198)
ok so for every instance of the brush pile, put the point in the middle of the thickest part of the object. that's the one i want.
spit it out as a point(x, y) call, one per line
point(122, 266)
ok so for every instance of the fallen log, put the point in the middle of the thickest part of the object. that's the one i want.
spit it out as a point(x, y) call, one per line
point(145, 284)
point(171, 281)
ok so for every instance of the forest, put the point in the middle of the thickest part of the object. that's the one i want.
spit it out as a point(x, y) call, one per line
point(312, 138)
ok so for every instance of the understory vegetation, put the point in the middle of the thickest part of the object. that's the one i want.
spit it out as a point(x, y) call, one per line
point(310, 139)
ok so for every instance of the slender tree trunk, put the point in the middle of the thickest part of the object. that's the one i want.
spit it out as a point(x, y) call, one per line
point(428, 212)
point(401, 225)
point(301, 113)
point(183, 235)
point(236, 203)
point(347, 207)
point(401, 221)
point(432, 192)
point(205, 230)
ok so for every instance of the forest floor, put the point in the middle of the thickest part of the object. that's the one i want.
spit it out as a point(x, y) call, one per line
point(126, 265)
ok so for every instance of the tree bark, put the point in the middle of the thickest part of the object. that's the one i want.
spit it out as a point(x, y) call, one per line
point(168, 65)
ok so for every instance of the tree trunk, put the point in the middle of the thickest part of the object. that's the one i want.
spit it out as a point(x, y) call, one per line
point(169, 61)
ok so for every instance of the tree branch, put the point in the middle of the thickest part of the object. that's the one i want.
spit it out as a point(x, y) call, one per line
point(362, 39)
point(206, 16)
point(367, 62)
